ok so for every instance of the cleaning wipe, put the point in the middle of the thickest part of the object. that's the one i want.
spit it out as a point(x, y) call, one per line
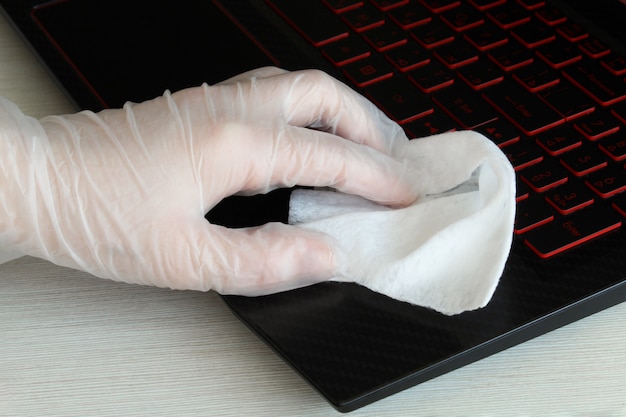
point(447, 250)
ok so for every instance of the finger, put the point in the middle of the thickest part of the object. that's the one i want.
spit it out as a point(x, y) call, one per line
point(300, 156)
point(313, 98)
point(263, 72)
point(256, 261)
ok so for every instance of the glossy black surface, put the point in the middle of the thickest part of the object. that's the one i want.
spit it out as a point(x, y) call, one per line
point(352, 345)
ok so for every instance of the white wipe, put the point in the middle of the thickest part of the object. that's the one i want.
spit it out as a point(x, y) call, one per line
point(447, 251)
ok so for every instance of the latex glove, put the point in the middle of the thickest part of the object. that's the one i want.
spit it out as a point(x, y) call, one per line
point(122, 194)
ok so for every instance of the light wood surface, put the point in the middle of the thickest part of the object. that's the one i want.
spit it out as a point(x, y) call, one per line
point(74, 345)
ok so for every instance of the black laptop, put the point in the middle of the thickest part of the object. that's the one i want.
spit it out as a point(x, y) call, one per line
point(542, 79)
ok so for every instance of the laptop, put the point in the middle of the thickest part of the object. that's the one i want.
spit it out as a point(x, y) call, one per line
point(543, 79)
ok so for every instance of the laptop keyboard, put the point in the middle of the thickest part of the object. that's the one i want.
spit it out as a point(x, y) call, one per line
point(547, 92)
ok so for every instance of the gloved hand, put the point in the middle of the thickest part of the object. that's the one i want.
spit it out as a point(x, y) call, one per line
point(122, 194)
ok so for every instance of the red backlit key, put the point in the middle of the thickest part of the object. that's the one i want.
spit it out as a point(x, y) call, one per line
point(597, 125)
point(531, 213)
point(432, 77)
point(386, 5)
point(559, 53)
point(560, 140)
point(465, 106)
point(457, 54)
point(584, 160)
point(569, 198)
point(523, 154)
point(536, 77)
point(486, 36)
point(433, 34)
point(608, 182)
point(400, 99)
point(408, 56)
point(570, 231)
point(385, 37)
point(523, 109)
point(568, 101)
point(544, 176)
point(438, 6)
point(511, 56)
point(305, 18)
point(614, 146)
point(508, 16)
point(368, 71)
point(341, 6)
point(463, 18)
point(481, 74)
point(346, 51)
point(597, 81)
point(361, 19)
point(410, 16)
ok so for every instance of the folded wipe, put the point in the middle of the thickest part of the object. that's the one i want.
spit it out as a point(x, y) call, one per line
point(446, 251)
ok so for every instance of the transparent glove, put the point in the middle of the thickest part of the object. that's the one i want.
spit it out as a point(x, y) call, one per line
point(122, 194)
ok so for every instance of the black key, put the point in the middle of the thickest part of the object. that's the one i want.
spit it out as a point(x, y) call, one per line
point(560, 140)
point(523, 154)
point(509, 15)
point(483, 5)
point(536, 76)
point(511, 56)
point(385, 37)
point(543, 176)
point(486, 36)
point(432, 77)
point(570, 197)
point(531, 213)
point(435, 123)
point(433, 34)
point(533, 34)
point(500, 132)
point(408, 56)
point(571, 231)
point(615, 63)
point(584, 160)
point(457, 54)
point(524, 110)
point(465, 106)
point(368, 71)
point(410, 16)
point(559, 53)
point(305, 16)
point(438, 6)
point(597, 125)
point(608, 182)
point(605, 88)
point(551, 16)
point(481, 74)
point(346, 51)
point(594, 48)
point(341, 6)
point(386, 5)
point(568, 101)
point(361, 19)
point(400, 99)
point(614, 146)
point(463, 18)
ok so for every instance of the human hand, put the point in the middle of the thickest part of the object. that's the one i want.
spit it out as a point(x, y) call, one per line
point(122, 194)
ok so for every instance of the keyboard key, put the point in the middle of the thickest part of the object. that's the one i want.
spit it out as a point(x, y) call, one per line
point(530, 214)
point(438, 6)
point(481, 74)
point(594, 48)
point(533, 34)
point(432, 77)
point(465, 106)
point(400, 99)
point(433, 34)
point(408, 56)
point(463, 18)
point(386, 5)
point(509, 15)
point(341, 6)
point(570, 102)
point(483, 5)
point(597, 125)
point(486, 37)
point(368, 71)
point(346, 51)
point(608, 182)
point(410, 16)
point(511, 56)
point(543, 176)
point(433, 124)
point(456, 54)
point(361, 19)
point(551, 16)
point(385, 37)
point(536, 77)
point(584, 160)
point(619, 204)
point(305, 16)
point(500, 132)
point(615, 63)
point(532, 4)
point(524, 110)
point(570, 231)
point(523, 154)
point(570, 197)
point(614, 146)
point(573, 32)
point(559, 53)
point(597, 82)
point(560, 140)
